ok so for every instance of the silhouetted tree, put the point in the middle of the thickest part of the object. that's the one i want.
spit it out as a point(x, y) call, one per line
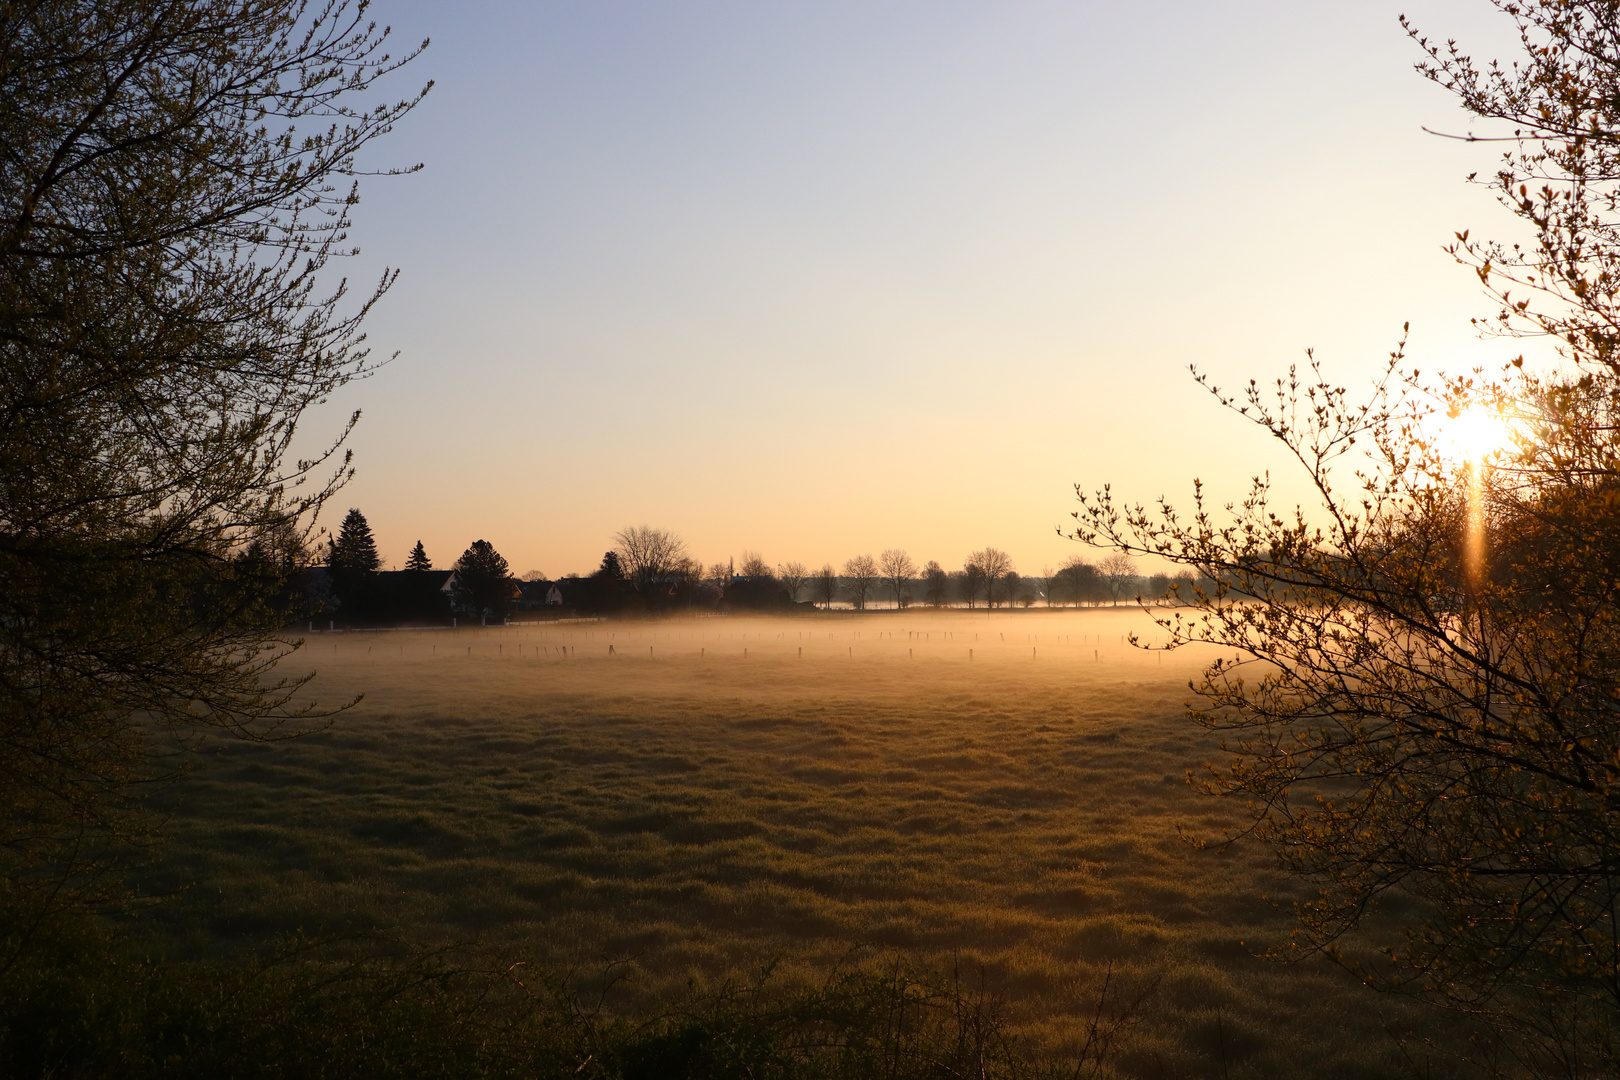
point(1020, 590)
point(355, 551)
point(604, 589)
point(1078, 582)
point(993, 565)
point(936, 585)
point(897, 570)
point(1118, 572)
point(826, 585)
point(1156, 587)
point(648, 555)
point(353, 561)
point(418, 558)
point(484, 582)
point(793, 577)
point(861, 576)
point(754, 565)
point(969, 583)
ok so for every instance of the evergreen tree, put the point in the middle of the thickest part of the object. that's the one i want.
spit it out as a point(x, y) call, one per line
point(611, 567)
point(355, 550)
point(483, 579)
point(418, 558)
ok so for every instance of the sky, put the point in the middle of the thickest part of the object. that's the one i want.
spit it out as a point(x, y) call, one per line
point(820, 279)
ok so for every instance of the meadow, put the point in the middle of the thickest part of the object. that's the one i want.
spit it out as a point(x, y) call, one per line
point(686, 802)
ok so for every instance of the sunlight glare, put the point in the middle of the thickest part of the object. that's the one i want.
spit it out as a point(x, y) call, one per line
point(1477, 434)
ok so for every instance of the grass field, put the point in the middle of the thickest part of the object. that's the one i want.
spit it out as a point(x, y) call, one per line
point(709, 798)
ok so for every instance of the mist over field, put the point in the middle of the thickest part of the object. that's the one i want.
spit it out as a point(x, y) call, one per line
point(684, 802)
point(917, 300)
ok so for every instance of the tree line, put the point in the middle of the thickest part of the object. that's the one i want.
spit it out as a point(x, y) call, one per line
point(649, 569)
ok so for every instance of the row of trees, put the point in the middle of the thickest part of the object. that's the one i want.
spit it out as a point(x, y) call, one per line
point(650, 568)
point(986, 577)
point(358, 592)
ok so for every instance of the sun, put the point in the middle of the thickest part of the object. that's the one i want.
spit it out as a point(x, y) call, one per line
point(1477, 434)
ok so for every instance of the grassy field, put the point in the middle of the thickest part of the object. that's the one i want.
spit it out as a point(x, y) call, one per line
point(699, 798)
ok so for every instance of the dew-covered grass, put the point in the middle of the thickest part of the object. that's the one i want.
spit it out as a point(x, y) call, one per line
point(1022, 817)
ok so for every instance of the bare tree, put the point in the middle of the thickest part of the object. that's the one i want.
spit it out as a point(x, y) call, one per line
point(647, 554)
point(993, 565)
point(1156, 588)
point(898, 570)
point(825, 585)
point(861, 575)
point(1021, 590)
point(1078, 582)
point(1118, 570)
point(793, 577)
point(936, 585)
point(969, 583)
point(754, 565)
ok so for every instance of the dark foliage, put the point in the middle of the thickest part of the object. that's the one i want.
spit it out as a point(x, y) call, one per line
point(484, 583)
point(86, 1011)
point(418, 558)
point(162, 230)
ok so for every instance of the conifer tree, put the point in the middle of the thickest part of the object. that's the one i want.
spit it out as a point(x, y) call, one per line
point(483, 579)
point(355, 550)
point(418, 558)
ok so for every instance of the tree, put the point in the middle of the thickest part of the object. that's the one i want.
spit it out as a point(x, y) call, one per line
point(897, 570)
point(355, 551)
point(754, 586)
point(1065, 585)
point(1420, 692)
point(353, 562)
point(861, 576)
point(936, 585)
point(1085, 581)
point(1021, 590)
point(169, 203)
point(1118, 573)
point(970, 582)
point(992, 566)
point(1560, 108)
point(793, 577)
point(1157, 587)
point(484, 583)
point(418, 558)
point(648, 555)
point(826, 585)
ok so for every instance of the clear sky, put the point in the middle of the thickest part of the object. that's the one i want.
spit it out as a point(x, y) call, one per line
point(818, 279)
